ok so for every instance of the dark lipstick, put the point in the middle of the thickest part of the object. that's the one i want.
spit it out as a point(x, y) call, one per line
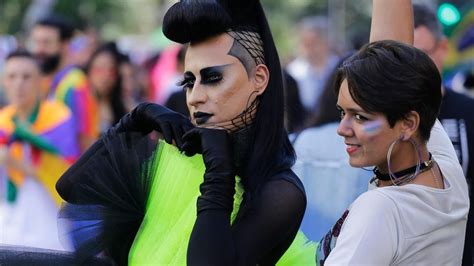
point(201, 117)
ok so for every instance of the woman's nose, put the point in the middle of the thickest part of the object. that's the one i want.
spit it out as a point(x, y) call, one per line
point(345, 127)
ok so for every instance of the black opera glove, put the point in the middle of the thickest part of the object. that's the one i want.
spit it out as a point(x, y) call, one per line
point(218, 187)
point(149, 116)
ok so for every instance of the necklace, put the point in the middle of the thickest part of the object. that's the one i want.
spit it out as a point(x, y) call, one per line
point(386, 177)
point(404, 176)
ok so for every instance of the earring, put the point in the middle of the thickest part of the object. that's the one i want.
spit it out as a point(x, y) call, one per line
point(403, 179)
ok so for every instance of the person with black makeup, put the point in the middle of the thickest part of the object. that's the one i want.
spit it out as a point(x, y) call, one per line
point(231, 198)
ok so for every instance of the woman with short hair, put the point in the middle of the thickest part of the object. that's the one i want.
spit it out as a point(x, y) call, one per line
point(416, 209)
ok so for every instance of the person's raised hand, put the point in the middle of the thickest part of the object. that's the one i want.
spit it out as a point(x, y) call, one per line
point(149, 116)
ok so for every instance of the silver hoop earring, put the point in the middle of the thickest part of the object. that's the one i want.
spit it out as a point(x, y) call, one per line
point(397, 181)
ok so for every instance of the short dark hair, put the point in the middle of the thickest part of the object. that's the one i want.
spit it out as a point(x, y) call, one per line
point(426, 16)
point(64, 26)
point(21, 53)
point(393, 78)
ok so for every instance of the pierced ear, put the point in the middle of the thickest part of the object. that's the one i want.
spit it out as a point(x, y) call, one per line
point(410, 125)
point(261, 78)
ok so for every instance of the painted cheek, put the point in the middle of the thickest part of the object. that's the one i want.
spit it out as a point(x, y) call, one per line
point(372, 129)
point(374, 147)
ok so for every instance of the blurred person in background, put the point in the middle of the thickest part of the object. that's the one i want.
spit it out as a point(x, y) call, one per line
point(103, 73)
point(315, 61)
point(177, 100)
point(295, 113)
point(8, 44)
point(321, 157)
point(50, 40)
point(145, 75)
point(82, 46)
point(37, 144)
point(164, 74)
point(132, 89)
point(456, 108)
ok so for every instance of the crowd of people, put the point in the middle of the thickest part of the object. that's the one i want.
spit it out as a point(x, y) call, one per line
point(214, 153)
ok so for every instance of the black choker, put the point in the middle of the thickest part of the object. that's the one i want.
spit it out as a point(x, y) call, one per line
point(404, 172)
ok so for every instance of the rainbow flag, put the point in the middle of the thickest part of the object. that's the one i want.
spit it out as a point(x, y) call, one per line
point(49, 143)
point(71, 87)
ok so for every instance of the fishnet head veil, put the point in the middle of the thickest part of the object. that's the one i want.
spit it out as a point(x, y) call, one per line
point(250, 39)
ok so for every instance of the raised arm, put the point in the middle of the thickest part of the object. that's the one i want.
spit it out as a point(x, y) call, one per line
point(392, 20)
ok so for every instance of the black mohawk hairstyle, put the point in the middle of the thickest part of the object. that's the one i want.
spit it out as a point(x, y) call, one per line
point(195, 20)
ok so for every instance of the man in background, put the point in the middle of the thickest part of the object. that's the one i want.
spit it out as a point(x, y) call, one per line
point(456, 109)
point(315, 61)
point(50, 39)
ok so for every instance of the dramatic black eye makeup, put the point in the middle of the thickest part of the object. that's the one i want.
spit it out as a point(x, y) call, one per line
point(209, 76)
point(188, 81)
point(212, 75)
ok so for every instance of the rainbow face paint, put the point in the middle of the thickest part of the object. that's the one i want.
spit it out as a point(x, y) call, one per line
point(372, 128)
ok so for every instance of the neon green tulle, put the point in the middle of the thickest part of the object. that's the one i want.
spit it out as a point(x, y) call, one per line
point(171, 212)
point(300, 252)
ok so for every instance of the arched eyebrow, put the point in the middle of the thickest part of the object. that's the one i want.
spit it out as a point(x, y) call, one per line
point(212, 69)
point(356, 110)
point(352, 110)
point(204, 72)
